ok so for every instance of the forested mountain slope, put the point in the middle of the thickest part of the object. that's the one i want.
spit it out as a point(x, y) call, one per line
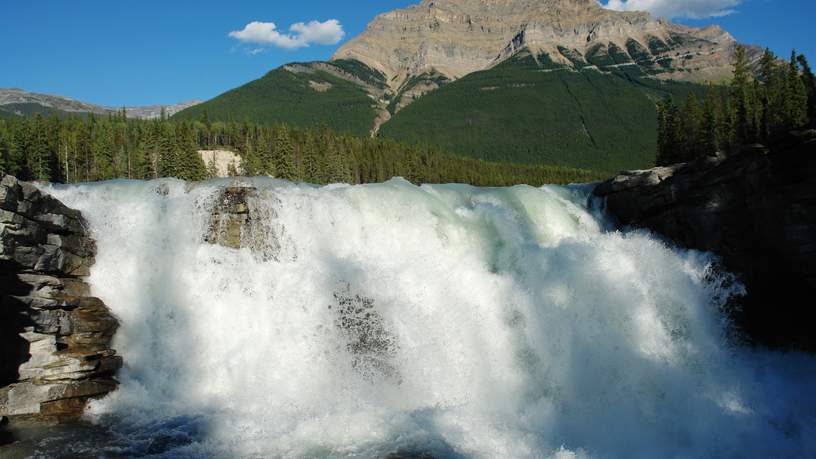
point(543, 82)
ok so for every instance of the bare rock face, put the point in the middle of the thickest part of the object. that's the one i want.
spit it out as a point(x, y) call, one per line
point(757, 211)
point(457, 37)
point(230, 217)
point(54, 338)
point(238, 221)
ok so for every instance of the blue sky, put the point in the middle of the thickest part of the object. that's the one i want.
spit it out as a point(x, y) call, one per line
point(165, 51)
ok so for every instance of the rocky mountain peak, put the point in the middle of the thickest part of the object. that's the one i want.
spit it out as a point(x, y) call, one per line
point(457, 37)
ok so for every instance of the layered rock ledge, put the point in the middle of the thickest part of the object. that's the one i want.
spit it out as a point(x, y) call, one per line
point(55, 338)
point(756, 210)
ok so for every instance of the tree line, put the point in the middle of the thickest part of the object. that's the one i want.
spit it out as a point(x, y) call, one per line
point(91, 148)
point(760, 103)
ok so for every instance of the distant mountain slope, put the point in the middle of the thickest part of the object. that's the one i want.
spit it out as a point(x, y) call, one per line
point(31, 109)
point(533, 110)
point(28, 103)
point(345, 95)
point(23, 103)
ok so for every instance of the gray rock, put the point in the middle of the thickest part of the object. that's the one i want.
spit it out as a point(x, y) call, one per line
point(45, 251)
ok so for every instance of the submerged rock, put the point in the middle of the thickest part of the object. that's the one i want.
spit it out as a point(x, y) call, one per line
point(756, 210)
point(55, 337)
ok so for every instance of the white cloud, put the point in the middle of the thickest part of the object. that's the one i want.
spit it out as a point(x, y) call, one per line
point(695, 9)
point(300, 34)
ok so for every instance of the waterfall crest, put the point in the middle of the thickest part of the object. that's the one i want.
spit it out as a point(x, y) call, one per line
point(363, 321)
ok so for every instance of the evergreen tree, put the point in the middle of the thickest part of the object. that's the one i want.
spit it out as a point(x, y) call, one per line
point(4, 149)
point(795, 96)
point(672, 140)
point(691, 119)
point(38, 156)
point(284, 156)
point(709, 132)
point(809, 81)
point(742, 100)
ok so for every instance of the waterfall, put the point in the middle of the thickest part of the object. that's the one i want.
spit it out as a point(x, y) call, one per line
point(362, 321)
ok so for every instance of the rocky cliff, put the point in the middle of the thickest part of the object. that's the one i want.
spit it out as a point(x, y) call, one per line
point(458, 37)
point(757, 211)
point(55, 338)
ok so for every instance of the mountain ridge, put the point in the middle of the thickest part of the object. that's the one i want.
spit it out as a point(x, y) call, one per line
point(458, 37)
point(19, 102)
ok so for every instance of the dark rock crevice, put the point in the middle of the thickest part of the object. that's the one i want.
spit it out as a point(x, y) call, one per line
point(756, 210)
point(13, 322)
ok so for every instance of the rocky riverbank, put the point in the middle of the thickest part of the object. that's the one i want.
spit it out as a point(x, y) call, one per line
point(757, 211)
point(55, 338)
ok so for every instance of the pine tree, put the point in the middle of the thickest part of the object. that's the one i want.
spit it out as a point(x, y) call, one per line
point(810, 87)
point(663, 146)
point(38, 153)
point(284, 156)
point(672, 139)
point(795, 96)
point(709, 132)
point(770, 95)
point(4, 149)
point(691, 118)
point(741, 96)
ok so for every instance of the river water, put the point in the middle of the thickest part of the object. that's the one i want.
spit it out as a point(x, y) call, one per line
point(447, 320)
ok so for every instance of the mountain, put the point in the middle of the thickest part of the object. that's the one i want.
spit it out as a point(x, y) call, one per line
point(344, 95)
point(22, 103)
point(536, 81)
point(459, 37)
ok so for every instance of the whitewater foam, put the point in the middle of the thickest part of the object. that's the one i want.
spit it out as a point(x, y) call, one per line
point(450, 320)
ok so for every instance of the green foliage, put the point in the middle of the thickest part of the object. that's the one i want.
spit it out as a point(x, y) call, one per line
point(305, 97)
point(743, 97)
point(361, 71)
point(796, 101)
point(758, 105)
point(531, 110)
point(638, 52)
point(657, 46)
point(87, 149)
point(599, 55)
point(574, 56)
point(413, 82)
point(810, 87)
point(285, 156)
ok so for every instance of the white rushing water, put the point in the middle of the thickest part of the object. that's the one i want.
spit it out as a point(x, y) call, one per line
point(449, 320)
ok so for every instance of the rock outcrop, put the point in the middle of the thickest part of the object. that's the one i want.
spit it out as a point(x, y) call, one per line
point(757, 211)
point(457, 37)
point(230, 217)
point(55, 338)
